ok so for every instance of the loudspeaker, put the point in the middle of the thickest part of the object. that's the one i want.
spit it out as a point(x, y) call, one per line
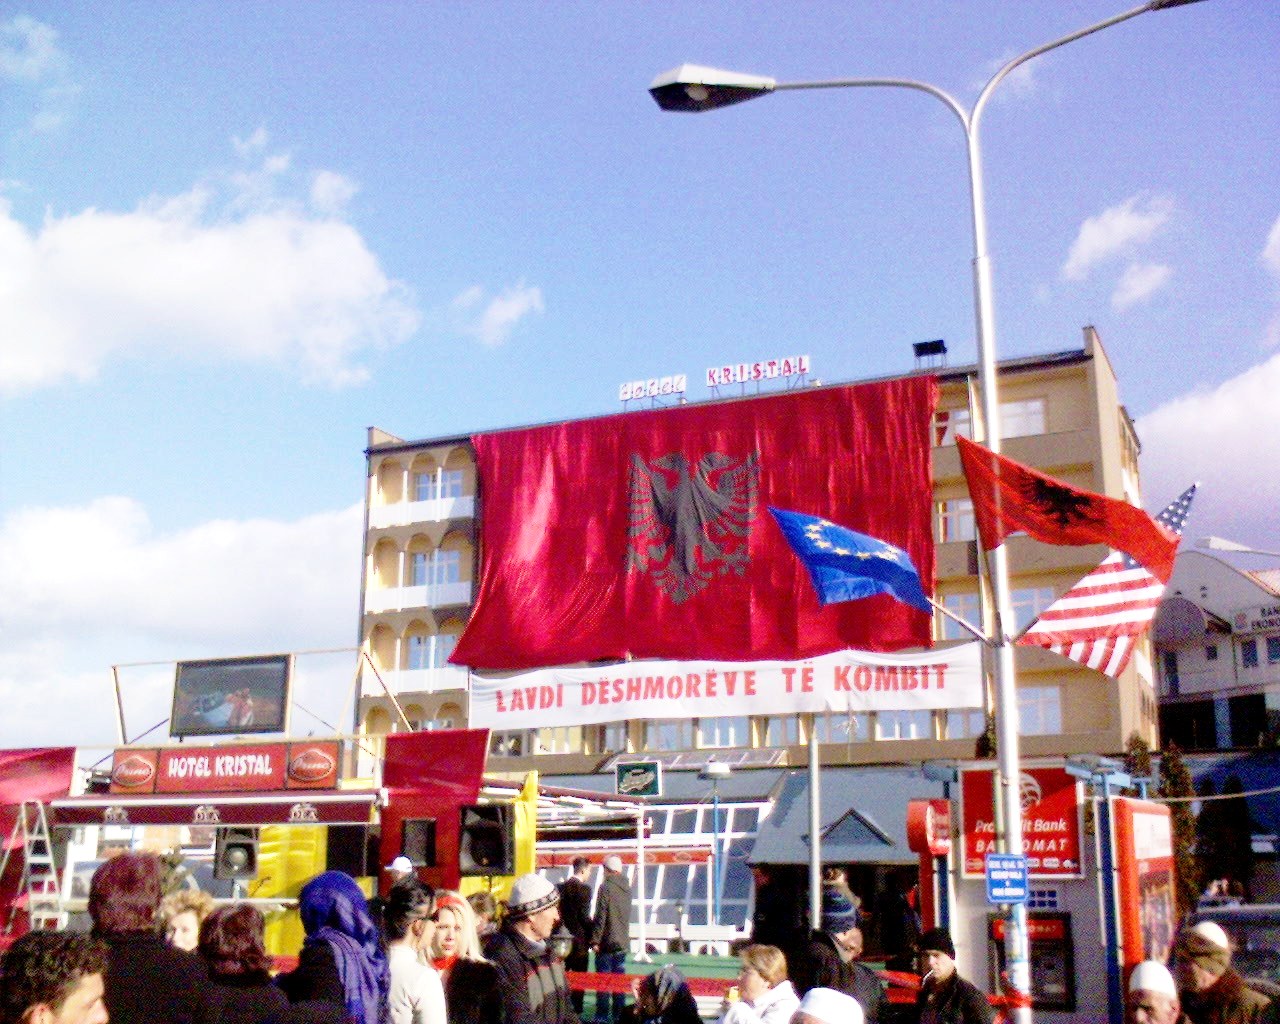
point(235, 853)
point(486, 840)
point(346, 850)
point(418, 841)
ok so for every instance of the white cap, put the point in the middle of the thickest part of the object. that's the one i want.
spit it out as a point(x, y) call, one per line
point(1153, 976)
point(1212, 932)
point(613, 862)
point(831, 1007)
point(401, 863)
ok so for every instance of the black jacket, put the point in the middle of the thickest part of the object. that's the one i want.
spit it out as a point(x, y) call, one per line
point(150, 982)
point(244, 999)
point(611, 930)
point(954, 1001)
point(316, 977)
point(531, 981)
point(472, 994)
point(575, 911)
point(818, 964)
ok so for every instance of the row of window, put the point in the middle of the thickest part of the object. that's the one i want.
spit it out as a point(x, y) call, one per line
point(1249, 658)
point(435, 485)
point(1022, 418)
point(1039, 714)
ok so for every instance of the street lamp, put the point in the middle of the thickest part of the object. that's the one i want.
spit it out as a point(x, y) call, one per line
point(694, 88)
point(714, 771)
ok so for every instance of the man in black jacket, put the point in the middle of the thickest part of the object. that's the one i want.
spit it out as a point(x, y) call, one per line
point(611, 933)
point(945, 997)
point(830, 958)
point(531, 979)
point(575, 912)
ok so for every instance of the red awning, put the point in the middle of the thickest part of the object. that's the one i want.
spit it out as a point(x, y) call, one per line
point(312, 807)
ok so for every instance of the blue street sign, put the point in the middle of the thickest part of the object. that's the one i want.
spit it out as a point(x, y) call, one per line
point(1006, 878)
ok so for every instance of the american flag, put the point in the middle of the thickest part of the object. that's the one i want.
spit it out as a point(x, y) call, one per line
point(1099, 620)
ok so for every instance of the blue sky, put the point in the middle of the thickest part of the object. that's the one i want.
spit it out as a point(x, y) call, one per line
point(232, 236)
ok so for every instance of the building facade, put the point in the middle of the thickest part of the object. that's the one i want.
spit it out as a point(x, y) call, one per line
point(1217, 643)
point(1060, 413)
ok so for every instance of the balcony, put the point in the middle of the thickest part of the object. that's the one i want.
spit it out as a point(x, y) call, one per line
point(435, 595)
point(407, 681)
point(437, 510)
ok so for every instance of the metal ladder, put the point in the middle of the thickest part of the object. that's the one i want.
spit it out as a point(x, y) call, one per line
point(39, 892)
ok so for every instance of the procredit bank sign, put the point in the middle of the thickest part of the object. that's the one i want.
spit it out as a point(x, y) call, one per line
point(1051, 811)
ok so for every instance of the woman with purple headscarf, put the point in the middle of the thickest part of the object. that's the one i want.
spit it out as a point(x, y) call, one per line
point(342, 960)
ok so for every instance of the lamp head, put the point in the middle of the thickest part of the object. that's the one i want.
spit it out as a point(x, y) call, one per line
point(692, 87)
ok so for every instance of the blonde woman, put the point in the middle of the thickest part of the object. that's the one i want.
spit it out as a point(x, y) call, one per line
point(766, 996)
point(471, 992)
point(181, 915)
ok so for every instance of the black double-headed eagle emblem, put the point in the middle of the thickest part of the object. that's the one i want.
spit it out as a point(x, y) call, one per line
point(1064, 505)
point(691, 524)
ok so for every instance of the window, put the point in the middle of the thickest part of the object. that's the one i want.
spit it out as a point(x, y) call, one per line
point(1022, 419)
point(684, 822)
point(418, 569)
point(445, 643)
point(1039, 710)
point(563, 739)
point(835, 727)
point(955, 520)
point(1170, 662)
point(779, 731)
point(964, 605)
point(1029, 602)
point(723, 732)
point(948, 424)
point(507, 744)
point(1249, 654)
point(419, 655)
point(904, 725)
point(611, 738)
point(1273, 649)
point(668, 735)
point(1210, 652)
point(446, 567)
point(451, 483)
point(424, 485)
point(965, 724)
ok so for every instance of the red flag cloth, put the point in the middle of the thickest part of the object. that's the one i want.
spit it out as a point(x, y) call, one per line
point(644, 535)
point(1009, 497)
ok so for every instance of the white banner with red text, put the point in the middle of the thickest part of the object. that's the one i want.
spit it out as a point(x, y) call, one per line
point(846, 682)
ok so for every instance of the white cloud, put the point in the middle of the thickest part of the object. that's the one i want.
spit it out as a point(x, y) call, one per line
point(1018, 83)
point(330, 193)
point(1270, 258)
point(1138, 283)
point(234, 269)
point(1116, 231)
point(493, 324)
point(30, 57)
point(218, 589)
point(1229, 439)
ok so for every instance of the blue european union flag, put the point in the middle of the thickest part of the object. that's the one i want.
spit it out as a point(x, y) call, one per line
point(845, 565)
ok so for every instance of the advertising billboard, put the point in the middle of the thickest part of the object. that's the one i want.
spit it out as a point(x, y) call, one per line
point(231, 696)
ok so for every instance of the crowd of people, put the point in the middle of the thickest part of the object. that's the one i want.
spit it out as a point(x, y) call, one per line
point(434, 957)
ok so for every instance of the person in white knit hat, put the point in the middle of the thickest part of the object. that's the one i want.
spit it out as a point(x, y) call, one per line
point(530, 977)
point(1153, 997)
point(827, 1006)
point(1210, 990)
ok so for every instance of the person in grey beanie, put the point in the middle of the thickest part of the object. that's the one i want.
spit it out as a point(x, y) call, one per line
point(830, 958)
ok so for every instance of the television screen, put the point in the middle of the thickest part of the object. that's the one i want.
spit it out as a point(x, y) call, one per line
point(227, 696)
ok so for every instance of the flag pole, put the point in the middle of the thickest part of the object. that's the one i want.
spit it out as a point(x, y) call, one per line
point(963, 623)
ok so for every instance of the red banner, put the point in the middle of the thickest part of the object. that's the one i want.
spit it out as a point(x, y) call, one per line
point(1050, 822)
point(230, 768)
point(645, 535)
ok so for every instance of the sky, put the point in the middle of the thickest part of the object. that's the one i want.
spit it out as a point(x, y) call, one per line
point(234, 236)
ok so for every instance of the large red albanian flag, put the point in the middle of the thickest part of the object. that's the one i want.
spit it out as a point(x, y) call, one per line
point(645, 534)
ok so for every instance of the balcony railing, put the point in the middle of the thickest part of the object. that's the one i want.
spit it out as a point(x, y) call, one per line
point(434, 595)
point(414, 680)
point(436, 510)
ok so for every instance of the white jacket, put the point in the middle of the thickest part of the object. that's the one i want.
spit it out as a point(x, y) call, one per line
point(417, 996)
point(773, 1007)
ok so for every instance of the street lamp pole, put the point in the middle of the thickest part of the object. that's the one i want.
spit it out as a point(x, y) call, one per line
point(694, 88)
point(715, 771)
